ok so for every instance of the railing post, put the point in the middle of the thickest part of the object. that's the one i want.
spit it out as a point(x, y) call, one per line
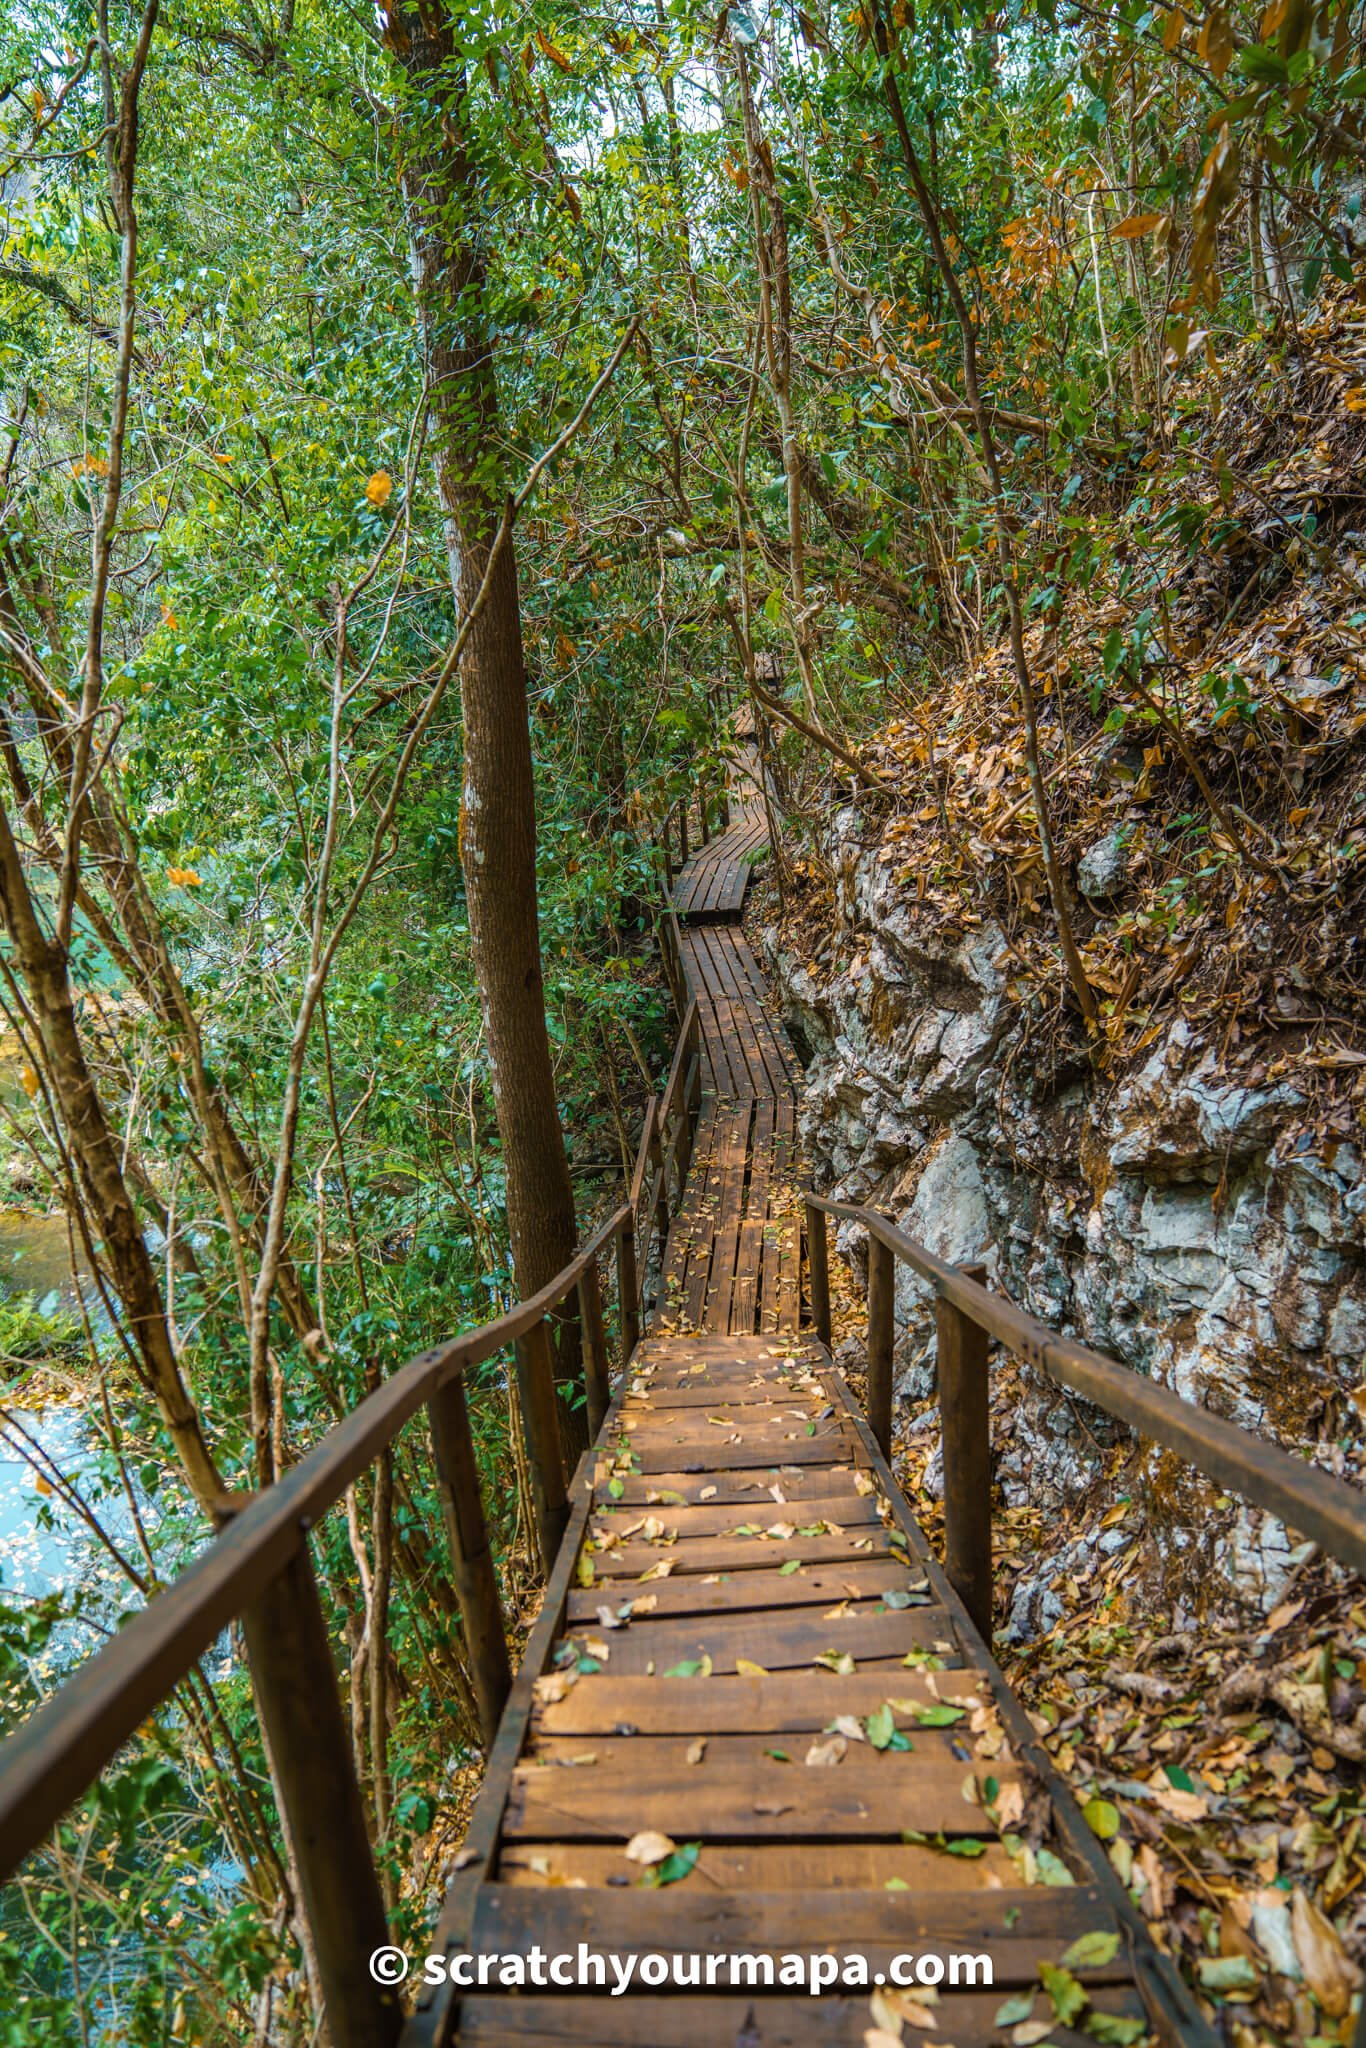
point(295, 1683)
point(597, 1385)
point(683, 831)
point(541, 1426)
point(819, 1268)
point(658, 1160)
point(476, 1583)
point(628, 1288)
point(965, 1421)
point(881, 1297)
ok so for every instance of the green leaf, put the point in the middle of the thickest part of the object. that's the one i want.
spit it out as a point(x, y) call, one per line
point(881, 1726)
point(937, 1714)
point(1068, 1998)
point(1102, 1818)
point(1113, 2029)
point(1228, 1973)
point(785, 1571)
point(1050, 1869)
point(675, 1868)
point(1092, 1951)
point(1013, 2011)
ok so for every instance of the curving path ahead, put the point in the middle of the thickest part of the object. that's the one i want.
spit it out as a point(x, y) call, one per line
point(748, 1647)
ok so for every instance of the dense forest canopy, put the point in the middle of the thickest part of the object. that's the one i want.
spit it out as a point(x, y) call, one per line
point(912, 372)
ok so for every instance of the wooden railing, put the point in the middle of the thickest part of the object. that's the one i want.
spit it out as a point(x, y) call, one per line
point(968, 1315)
point(259, 1571)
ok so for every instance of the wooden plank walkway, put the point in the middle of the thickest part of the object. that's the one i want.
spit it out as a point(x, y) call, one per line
point(748, 1647)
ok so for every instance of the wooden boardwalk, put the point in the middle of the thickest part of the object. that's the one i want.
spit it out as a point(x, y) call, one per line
point(748, 1648)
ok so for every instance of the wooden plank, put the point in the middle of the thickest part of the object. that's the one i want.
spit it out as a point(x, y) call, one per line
point(800, 1483)
point(543, 2020)
point(798, 1701)
point(767, 1866)
point(784, 1642)
point(768, 1758)
point(852, 1799)
point(738, 1554)
point(723, 1455)
point(808, 1586)
point(1006, 1933)
point(711, 1518)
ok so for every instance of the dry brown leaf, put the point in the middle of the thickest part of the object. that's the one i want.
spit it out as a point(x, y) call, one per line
point(649, 1847)
point(1329, 1971)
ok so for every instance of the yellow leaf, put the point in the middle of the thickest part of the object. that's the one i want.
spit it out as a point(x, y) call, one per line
point(649, 1847)
point(28, 1081)
point(747, 1668)
point(1137, 224)
point(379, 488)
point(183, 878)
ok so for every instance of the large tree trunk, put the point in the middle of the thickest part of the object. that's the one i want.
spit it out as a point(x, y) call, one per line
point(497, 813)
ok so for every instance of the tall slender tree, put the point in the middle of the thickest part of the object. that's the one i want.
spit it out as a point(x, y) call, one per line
point(446, 187)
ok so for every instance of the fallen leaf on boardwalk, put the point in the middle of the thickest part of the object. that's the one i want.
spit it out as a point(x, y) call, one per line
point(1091, 1951)
point(552, 1686)
point(607, 1619)
point(840, 1613)
point(596, 1647)
point(881, 1726)
point(781, 1531)
point(644, 1603)
point(878, 2037)
point(1329, 1971)
point(463, 1859)
point(838, 1661)
point(746, 1668)
point(773, 1806)
point(697, 1750)
point(864, 1483)
point(846, 1725)
point(829, 1751)
point(660, 1570)
point(707, 1493)
point(649, 1846)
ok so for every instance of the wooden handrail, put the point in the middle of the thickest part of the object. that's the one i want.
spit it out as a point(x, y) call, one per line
point(258, 1570)
point(1311, 1501)
point(62, 1747)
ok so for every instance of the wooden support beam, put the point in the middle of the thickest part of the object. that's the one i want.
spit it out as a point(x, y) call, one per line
point(596, 1379)
point(628, 1289)
point(965, 1420)
point(881, 1297)
point(818, 1267)
point(541, 1428)
point(295, 1683)
point(476, 1583)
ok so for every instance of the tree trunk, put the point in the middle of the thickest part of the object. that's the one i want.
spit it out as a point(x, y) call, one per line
point(442, 187)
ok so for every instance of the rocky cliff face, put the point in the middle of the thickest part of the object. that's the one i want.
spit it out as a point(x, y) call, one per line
point(1205, 1231)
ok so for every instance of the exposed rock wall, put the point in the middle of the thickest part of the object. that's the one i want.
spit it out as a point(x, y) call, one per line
point(1205, 1231)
